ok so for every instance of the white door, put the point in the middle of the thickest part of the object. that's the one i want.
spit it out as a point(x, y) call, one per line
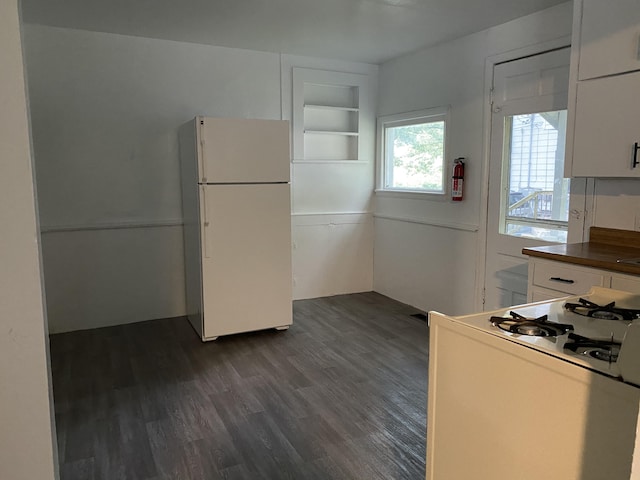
point(529, 201)
point(238, 150)
point(246, 257)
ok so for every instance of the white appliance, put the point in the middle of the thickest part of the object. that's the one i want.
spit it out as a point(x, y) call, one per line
point(237, 224)
point(548, 390)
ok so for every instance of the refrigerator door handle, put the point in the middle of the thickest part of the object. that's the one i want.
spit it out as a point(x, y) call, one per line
point(205, 222)
point(203, 157)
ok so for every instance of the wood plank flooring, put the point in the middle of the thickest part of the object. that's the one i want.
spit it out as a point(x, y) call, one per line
point(340, 395)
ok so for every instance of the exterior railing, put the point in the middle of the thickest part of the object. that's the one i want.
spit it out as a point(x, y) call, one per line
point(536, 206)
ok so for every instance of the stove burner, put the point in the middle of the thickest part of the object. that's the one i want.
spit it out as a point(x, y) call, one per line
point(538, 327)
point(605, 350)
point(603, 312)
point(530, 329)
point(603, 354)
point(606, 315)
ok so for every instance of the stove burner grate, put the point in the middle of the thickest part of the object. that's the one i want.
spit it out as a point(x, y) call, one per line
point(605, 350)
point(538, 327)
point(603, 312)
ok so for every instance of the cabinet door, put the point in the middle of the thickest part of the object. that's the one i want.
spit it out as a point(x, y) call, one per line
point(626, 283)
point(609, 37)
point(537, 294)
point(565, 278)
point(607, 126)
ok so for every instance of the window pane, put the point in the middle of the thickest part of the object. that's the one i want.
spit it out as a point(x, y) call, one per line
point(537, 204)
point(415, 156)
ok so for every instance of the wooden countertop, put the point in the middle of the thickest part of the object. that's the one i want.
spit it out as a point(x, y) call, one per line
point(605, 247)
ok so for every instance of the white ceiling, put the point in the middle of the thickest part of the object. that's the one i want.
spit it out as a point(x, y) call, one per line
point(358, 30)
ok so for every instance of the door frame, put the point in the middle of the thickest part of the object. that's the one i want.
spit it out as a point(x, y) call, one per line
point(490, 63)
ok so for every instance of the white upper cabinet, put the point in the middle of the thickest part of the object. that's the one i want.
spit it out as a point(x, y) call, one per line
point(609, 37)
point(603, 128)
point(607, 127)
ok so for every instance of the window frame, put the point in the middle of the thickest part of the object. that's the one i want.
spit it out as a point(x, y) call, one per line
point(430, 115)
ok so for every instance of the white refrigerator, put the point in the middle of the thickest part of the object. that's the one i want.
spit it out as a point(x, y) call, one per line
point(237, 224)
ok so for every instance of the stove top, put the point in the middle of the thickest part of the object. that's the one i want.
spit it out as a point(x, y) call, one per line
point(588, 330)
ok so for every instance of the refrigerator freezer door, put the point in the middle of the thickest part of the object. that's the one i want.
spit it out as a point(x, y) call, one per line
point(243, 150)
point(246, 257)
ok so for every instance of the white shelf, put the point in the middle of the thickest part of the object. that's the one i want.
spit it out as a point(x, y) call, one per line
point(327, 107)
point(331, 107)
point(331, 132)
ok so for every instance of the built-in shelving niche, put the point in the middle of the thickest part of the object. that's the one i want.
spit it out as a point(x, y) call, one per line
point(326, 116)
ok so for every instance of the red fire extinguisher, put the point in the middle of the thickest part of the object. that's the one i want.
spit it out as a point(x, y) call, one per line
point(457, 179)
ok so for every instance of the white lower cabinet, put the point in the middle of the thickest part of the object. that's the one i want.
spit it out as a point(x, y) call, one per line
point(537, 294)
point(626, 283)
point(551, 279)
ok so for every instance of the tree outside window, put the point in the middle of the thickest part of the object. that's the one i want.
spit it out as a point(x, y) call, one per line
point(413, 151)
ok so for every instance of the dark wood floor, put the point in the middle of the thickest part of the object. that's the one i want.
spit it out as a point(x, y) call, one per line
point(340, 395)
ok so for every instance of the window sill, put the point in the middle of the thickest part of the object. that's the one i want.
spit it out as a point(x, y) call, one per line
point(412, 194)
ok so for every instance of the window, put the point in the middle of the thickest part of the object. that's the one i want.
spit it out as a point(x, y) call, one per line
point(412, 151)
point(536, 197)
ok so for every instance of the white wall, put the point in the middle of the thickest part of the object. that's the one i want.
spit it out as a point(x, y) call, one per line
point(105, 111)
point(617, 203)
point(332, 202)
point(436, 269)
point(27, 444)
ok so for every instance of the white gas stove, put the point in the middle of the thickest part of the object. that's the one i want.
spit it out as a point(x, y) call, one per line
point(547, 390)
point(599, 330)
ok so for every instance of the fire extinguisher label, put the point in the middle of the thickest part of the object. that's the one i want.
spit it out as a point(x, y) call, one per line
point(457, 187)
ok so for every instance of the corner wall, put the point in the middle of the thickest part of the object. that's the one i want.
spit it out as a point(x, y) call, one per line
point(105, 111)
point(27, 431)
point(332, 223)
point(436, 268)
